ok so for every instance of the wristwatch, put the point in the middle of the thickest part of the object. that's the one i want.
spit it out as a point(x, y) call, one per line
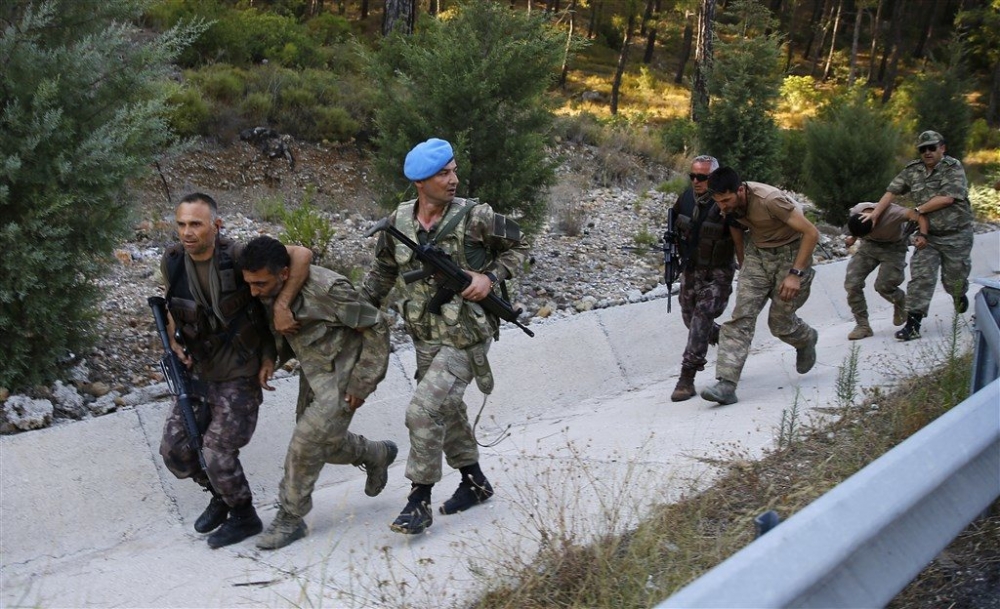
point(796, 272)
point(493, 279)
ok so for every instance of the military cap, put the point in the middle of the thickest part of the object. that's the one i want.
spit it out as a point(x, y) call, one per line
point(929, 137)
point(427, 158)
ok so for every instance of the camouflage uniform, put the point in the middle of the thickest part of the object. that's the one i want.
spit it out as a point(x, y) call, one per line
point(227, 348)
point(885, 249)
point(949, 240)
point(343, 348)
point(764, 268)
point(707, 277)
point(447, 345)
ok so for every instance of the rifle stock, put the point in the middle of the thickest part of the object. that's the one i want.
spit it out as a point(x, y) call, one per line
point(178, 379)
point(671, 256)
point(451, 278)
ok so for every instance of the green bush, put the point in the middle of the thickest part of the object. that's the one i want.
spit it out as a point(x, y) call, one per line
point(188, 113)
point(792, 163)
point(985, 201)
point(679, 136)
point(477, 80)
point(939, 100)
point(583, 128)
point(220, 82)
point(84, 112)
point(257, 108)
point(328, 28)
point(982, 136)
point(307, 227)
point(850, 157)
point(334, 124)
point(799, 94)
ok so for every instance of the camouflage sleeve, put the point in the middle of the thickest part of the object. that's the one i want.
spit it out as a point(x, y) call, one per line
point(502, 236)
point(381, 276)
point(954, 184)
point(900, 184)
point(373, 362)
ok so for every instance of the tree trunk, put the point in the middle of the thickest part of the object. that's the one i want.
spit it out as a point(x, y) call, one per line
point(364, 10)
point(815, 21)
point(776, 11)
point(993, 111)
point(876, 35)
point(564, 73)
point(433, 7)
point(685, 48)
point(620, 70)
point(400, 15)
point(702, 60)
point(824, 28)
point(930, 18)
point(897, 48)
point(833, 41)
point(652, 12)
point(858, 16)
point(595, 10)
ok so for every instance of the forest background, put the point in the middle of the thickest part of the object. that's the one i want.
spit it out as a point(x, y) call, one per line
point(822, 97)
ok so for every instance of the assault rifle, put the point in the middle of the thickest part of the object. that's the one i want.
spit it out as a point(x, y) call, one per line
point(671, 256)
point(451, 279)
point(178, 379)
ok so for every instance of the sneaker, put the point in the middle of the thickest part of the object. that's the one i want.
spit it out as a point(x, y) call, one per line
point(899, 312)
point(861, 330)
point(723, 392)
point(414, 519)
point(468, 494)
point(213, 516)
point(243, 522)
point(962, 304)
point(805, 358)
point(284, 529)
point(381, 456)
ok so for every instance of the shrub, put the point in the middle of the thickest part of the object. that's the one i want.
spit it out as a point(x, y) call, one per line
point(940, 104)
point(307, 227)
point(985, 201)
point(497, 64)
point(219, 82)
point(792, 163)
point(187, 113)
point(842, 166)
point(257, 108)
point(679, 136)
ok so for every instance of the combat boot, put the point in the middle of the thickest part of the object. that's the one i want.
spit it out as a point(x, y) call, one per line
point(283, 530)
point(805, 358)
point(723, 392)
point(473, 490)
point(243, 522)
point(378, 457)
point(685, 386)
point(416, 515)
point(912, 328)
point(961, 304)
point(899, 311)
point(214, 515)
point(861, 329)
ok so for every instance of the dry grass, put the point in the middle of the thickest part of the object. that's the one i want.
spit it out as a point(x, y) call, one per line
point(679, 542)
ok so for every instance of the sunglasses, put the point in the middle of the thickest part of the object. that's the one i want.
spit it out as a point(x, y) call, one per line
point(927, 148)
point(700, 177)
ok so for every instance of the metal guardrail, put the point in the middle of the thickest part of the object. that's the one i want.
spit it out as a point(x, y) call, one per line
point(864, 541)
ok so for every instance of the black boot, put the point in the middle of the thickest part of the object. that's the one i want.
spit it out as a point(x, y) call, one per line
point(912, 328)
point(416, 516)
point(214, 515)
point(243, 522)
point(473, 490)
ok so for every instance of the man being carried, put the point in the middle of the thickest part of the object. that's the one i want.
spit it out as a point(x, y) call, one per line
point(343, 348)
point(777, 266)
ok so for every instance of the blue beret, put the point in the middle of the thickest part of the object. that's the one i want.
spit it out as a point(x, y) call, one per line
point(427, 158)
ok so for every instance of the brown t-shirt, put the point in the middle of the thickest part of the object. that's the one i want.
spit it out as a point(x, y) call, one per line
point(890, 224)
point(766, 215)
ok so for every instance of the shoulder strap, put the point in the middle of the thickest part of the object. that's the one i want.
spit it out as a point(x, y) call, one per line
point(445, 230)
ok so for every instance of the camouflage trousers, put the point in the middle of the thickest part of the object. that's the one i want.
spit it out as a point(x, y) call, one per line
point(889, 259)
point(953, 255)
point(229, 413)
point(437, 417)
point(320, 437)
point(703, 297)
point(760, 279)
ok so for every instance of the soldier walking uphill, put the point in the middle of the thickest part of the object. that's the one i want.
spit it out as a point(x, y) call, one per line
point(223, 341)
point(777, 266)
point(451, 347)
point(937, 184)
point(708, 243)
point(343, 348)
point(883, 247)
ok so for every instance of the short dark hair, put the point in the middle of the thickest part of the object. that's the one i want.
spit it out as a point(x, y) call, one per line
point(859, 227)
point(724, 179)
point(264, 252)
point(200, 197)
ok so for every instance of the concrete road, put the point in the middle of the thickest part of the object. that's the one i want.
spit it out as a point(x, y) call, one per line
point(89, 516)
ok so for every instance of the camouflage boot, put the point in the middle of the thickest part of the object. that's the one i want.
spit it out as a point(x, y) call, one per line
point(378, 457)
point(805, 358)
point(899, 311)
point(284, 529)
point(723, 392)
point(861, 329)
point(685, 386)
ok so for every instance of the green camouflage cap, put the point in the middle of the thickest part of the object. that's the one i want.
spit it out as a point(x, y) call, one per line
point(929, 137)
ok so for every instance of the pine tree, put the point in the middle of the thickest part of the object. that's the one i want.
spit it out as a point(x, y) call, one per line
point(81, 112)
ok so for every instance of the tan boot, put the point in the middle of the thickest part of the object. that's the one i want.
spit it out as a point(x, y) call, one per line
point(899, 312)
point(861, 329)
point(685, 387)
